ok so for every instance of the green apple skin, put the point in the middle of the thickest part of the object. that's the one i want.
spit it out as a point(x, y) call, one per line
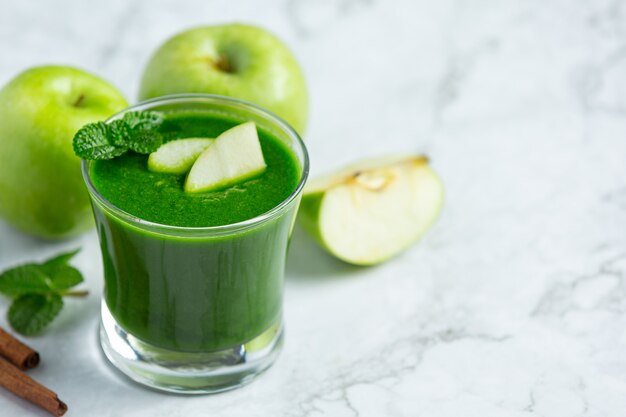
point(42, 192)
point(235, 60)
point(308, 216)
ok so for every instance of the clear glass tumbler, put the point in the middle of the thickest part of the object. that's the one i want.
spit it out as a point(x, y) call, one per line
point(196, 309)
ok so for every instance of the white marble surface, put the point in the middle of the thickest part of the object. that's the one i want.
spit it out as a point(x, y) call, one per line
point(513, 305)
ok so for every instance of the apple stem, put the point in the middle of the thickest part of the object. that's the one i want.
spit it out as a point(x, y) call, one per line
point(74, 293)
point(223, 63)
point(79, 100)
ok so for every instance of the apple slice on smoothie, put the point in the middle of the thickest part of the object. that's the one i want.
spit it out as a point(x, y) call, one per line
point(235, 156)
point(177, 156)
point(373, 210)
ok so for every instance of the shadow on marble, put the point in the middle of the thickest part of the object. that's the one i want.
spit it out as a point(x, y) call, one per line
point(74, 312)
point(307, 261)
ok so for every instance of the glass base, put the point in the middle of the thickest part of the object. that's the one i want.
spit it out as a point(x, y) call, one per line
point(183, 372)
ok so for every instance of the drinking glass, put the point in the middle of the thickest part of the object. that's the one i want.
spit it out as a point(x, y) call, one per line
point(196, 309)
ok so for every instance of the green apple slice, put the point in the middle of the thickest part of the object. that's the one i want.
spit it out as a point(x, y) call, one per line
point(176, 157)
point(373, 210)
point(235, 156)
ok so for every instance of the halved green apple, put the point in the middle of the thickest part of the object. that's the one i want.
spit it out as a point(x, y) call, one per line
point(234, 157)
point(177, 156)
point(373, 210)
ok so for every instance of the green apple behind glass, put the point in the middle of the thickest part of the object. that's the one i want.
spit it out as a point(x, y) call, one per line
point(41, 188)
point(234, 60)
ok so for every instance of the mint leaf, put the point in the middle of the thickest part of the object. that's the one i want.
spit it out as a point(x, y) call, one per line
point(61, 259)
point(93, 141)
point(64, 277)
point(118, 133)
point(30, 313)
point(61, 275)
point(142, 134)
point(145, 141)
point(143, 120)
point(24, 279)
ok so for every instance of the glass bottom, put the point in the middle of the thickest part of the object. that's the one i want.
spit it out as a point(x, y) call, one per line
point(184, 372)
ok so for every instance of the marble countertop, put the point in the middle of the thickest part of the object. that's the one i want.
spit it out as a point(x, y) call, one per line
point(513, 305)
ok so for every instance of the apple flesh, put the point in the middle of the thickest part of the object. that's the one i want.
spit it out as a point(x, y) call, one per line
point(235, 156)
point(373, 210)
point(236, 60)
point(177, 156)
point(41, 187)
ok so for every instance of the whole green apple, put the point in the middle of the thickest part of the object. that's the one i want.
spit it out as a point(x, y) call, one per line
point(234, 60)
point(41, 187)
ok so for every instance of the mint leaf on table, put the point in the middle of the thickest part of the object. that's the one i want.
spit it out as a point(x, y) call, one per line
point(30, 313)
point(23, 279)
point(65, 277)
point(136, 131)
point(61, 259)
point(62, 275)
point(37, 291)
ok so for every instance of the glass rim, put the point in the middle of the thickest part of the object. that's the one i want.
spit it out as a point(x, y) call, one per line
point(200, 97)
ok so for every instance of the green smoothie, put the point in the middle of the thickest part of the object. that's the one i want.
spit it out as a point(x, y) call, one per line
point(182, 290)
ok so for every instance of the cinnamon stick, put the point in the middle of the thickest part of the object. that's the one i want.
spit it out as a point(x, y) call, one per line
point(24, 386)
point(17, 352)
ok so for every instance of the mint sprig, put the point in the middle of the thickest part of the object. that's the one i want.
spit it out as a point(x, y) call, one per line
point(136, 131)
point(37, 291)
